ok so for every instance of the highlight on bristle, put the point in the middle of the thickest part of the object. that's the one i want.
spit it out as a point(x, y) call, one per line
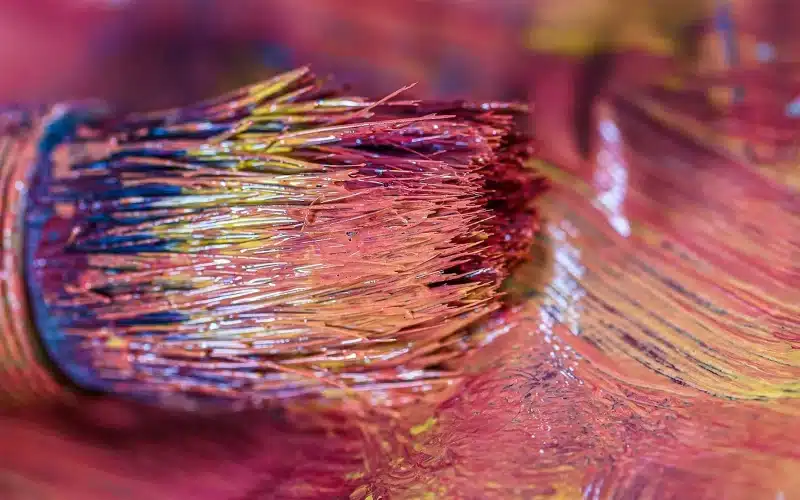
point(281, 241)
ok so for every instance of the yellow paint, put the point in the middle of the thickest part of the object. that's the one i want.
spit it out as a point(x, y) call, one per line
point(583, 27)
point(423, 427)
point(115, 343)
point(361, 493)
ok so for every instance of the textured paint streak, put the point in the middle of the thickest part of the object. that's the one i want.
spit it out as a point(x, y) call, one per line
point(707, 292)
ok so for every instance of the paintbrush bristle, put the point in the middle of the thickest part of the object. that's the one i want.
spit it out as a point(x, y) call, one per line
point(282, 241)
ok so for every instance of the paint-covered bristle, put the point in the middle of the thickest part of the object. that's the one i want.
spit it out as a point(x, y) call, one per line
point(282, 241)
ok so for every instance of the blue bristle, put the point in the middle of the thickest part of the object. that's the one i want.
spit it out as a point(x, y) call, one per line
point(124, 244)
point(161, 318)
point(94, 165)
point(143, 190)
point(145, 152)
point(127, 221)
point(210, 130)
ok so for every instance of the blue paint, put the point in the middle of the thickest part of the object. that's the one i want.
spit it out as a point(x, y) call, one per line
point(145, 190)
point(162, 318)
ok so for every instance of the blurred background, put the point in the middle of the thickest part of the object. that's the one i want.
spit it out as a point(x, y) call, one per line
point(153, 53)
point(728, 63)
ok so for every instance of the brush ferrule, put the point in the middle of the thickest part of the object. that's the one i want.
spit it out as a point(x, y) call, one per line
point(25, 374)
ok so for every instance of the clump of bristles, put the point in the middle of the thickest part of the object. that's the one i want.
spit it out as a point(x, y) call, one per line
point(285, 241)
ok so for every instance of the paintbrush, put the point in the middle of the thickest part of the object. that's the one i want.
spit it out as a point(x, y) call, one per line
point(283, 241)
